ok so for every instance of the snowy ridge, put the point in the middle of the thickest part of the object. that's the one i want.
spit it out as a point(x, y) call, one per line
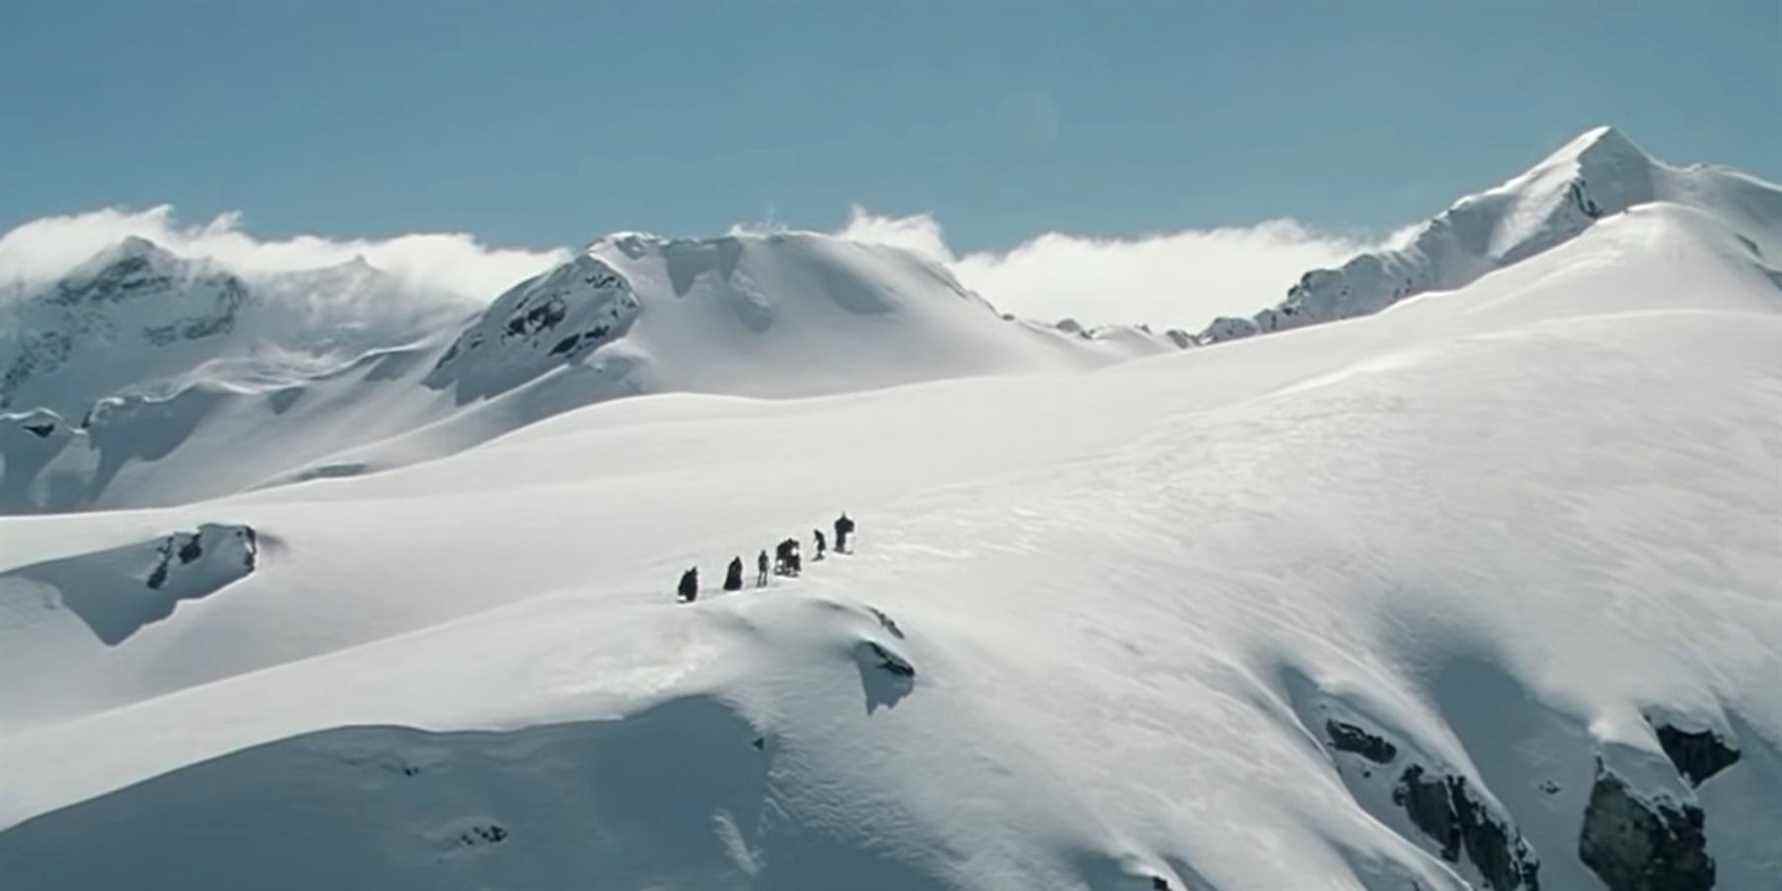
point(1599, 174)
point(171, 380)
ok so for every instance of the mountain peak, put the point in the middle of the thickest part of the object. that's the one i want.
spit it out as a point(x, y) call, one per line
point(1596, 154)
point(134, 255)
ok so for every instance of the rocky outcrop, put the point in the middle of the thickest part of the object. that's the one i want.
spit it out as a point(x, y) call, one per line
point(1447, 810)
point(1698, 755)
point(1346, 737)
point(1226, 328)
point(538, 324)
point(238, 544)
point(1633, 844)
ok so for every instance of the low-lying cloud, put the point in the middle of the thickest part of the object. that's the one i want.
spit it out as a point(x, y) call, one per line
point(1174, 279)
point(453, 265)
point(1177, 279)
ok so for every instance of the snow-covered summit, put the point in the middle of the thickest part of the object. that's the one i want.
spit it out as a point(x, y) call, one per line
point(132, 312)
point(1599, 174)
point(778, 314)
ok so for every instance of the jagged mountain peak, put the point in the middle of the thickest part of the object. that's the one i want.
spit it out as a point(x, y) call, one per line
point(132, 252)
point(1598, 174)
point(1600, 142)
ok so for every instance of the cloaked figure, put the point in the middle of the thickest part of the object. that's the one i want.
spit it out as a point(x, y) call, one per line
point(689, 589)
point(761, 570)
point(821, 544)
point(843, 526)
point(733, 576)
point(786, 557)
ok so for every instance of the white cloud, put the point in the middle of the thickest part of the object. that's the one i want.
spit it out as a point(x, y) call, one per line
point(447, 264)
point(1175, 279)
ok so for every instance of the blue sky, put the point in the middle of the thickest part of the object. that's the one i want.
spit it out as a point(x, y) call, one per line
point(545, 124)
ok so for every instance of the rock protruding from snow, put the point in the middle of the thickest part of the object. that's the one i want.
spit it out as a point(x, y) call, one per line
point(1636, 844)
point(117, 591)
point(543, 322)
point(1446, 809)
point(1598, 174)
point(1346, 737)
point(1698, 755)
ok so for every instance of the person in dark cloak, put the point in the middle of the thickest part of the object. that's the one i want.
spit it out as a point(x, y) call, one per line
point(820, 544)
point(761, 570)
point(733, 577)
point(689, 589)
point(786, 557)
point(843, 526)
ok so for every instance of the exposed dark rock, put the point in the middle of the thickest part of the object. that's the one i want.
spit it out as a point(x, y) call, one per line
point(887, 624)
point(1697, 756)
point(542, 317)
point(191, 550)
point(42, 430)
point(1445, 809)
point(892, 662)
point(1581, 199)
point(481, 834)
point(1347, 737)
point(158, 576)
point(1634, 845)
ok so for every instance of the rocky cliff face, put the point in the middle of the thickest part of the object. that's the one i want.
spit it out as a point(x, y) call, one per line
point(1639, 843)
point(540, 323)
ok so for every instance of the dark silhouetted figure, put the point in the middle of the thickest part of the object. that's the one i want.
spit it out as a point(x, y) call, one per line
point(761, 570)
point(843, 526)
point(786, 557)
point(733, 577)
point(689, 584)
point(821, 544)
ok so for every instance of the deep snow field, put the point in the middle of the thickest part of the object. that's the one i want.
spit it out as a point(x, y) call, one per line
point(1480, 589)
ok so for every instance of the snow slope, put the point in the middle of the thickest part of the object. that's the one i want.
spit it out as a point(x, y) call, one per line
point(1414, 600)
point(144, 379)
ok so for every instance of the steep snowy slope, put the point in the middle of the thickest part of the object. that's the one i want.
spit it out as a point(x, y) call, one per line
point(1481, 589)
point(169, 381)
point(1597, 175)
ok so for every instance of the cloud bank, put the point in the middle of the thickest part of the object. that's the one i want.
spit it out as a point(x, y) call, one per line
point(453, 265)
point(1175, 279)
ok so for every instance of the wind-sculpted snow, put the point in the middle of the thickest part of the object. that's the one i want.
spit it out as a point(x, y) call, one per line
point(1403, 602)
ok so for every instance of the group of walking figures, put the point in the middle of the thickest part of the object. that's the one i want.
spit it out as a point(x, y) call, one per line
point(785, 561)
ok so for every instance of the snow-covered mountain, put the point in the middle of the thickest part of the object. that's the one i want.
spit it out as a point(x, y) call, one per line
point(1597, 175)
point(1478, 591)
point(143, 379)
point(137, 319)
